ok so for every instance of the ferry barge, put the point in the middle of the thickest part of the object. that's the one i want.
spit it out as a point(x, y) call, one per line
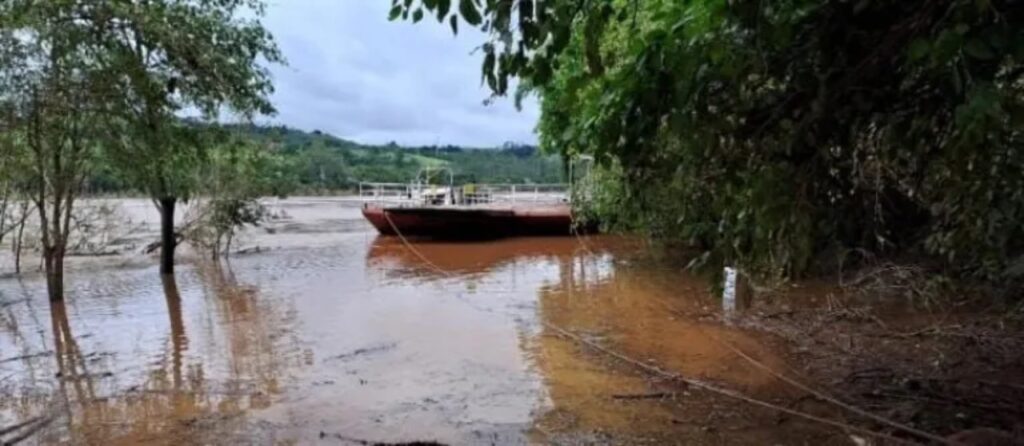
point(471, 211)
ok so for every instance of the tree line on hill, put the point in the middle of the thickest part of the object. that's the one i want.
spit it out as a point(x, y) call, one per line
point(300, 162)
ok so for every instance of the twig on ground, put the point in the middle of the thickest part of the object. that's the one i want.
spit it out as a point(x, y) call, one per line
point(360, 441)
point(644, 396)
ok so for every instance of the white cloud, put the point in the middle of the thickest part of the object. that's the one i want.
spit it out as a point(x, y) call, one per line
point(358, 76)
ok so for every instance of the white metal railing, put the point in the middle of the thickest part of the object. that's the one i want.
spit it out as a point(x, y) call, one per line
point(415, 194)
point(515, 193)
point(386, 192)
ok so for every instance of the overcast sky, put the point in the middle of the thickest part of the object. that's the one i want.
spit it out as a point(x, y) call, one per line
point(354, 74)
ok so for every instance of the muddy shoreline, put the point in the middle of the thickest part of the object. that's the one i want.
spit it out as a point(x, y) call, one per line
point(953, 369)
point(327, 334)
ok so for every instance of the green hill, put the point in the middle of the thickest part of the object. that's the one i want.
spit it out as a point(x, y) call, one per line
point(320, 161)
point(315, 162)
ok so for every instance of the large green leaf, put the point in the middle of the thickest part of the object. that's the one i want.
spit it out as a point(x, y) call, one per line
point(468, 11)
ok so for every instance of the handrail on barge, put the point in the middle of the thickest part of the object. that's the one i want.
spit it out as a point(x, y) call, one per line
point(418, 194)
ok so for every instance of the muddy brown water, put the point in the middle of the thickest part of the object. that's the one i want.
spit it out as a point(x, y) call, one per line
point(329, 334)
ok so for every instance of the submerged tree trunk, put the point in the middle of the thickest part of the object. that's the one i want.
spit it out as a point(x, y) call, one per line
point(55, 230)
point(167, 239)
point(54, 265)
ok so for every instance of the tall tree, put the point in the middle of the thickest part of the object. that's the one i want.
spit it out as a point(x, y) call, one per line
point(49, 77)
point(168, 57)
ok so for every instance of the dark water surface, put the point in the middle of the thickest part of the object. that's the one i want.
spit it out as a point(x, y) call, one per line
point(361, 338)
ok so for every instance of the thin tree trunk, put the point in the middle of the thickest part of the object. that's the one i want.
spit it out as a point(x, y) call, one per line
point(167, 239)
point(227, 246)
point(19, 239)
point(4, 213)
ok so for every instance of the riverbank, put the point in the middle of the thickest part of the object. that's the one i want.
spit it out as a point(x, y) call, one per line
point(951, 367)
point(851, 365)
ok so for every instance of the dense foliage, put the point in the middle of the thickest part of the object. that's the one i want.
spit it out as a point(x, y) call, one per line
point(163, 57)
point(777, 134)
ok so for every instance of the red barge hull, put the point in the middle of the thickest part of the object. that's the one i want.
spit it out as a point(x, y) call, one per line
point(470, 222)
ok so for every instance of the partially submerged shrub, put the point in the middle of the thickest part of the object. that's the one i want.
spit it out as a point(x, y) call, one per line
point(219, 221)
point(237, 176)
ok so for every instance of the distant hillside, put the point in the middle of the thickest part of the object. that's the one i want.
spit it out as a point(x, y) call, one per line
point(322, 161)
point(313, 162)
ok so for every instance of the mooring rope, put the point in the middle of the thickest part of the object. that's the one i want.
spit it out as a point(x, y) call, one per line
point(816, 393)
point(413, 249)
point(828, 398)
point(654, 370)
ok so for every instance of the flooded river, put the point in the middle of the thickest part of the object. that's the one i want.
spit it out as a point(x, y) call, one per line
point(328, 334)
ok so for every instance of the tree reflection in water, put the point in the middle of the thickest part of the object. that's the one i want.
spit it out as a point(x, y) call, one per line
point(190, 384)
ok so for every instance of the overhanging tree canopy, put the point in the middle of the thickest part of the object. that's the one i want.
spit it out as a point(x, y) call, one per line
point(770, 133)
point(162, 58)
